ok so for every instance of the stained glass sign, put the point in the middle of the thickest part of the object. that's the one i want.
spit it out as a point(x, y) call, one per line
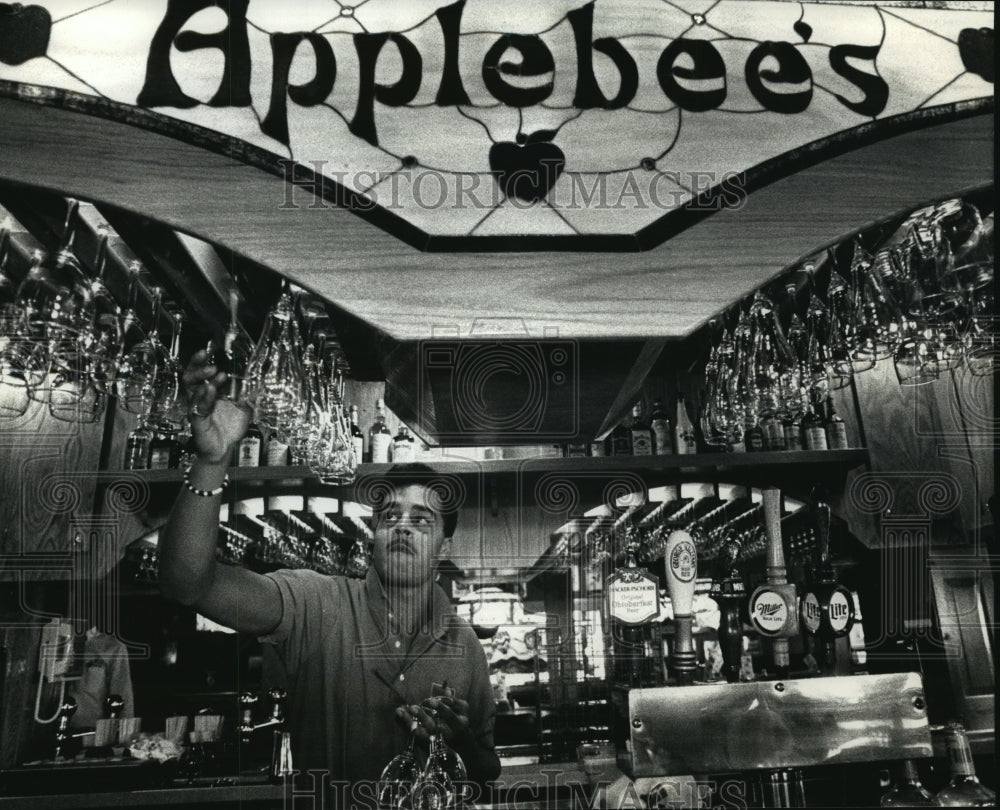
point(476, 119)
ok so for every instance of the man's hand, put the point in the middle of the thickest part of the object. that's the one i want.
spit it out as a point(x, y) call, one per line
point(216, 424)
point(447, 716)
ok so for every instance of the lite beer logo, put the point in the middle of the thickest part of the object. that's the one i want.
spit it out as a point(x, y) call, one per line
point(769, 613)
point(811, 613)
point(544, 118)
point(839, 612)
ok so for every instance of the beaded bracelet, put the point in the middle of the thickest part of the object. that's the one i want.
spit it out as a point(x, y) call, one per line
point(203, 493)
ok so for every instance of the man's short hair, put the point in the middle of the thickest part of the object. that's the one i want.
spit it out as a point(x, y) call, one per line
point(443, 503)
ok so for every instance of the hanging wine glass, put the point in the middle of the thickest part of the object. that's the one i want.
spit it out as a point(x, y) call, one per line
point(56, 296)
point(103, 338)
point(167, 409)
point(839, 332)
point(146, 367)
point(859, 319)
point(912, 354)
point(14, 399)
point(275, 381)
point(132, 335)
point(971, 239)
point(56, 292)
point(713, 426)
point(232, 353)
point(84, 366)
point(398, 778)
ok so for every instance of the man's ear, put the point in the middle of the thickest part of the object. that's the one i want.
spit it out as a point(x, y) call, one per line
point(445, 549)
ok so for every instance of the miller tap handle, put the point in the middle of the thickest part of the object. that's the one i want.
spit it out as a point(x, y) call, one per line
point(776, 571)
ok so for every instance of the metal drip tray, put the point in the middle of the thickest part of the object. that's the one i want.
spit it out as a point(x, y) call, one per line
point(798, 723)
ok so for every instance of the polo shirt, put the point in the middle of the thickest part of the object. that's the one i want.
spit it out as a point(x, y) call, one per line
point(346, 669)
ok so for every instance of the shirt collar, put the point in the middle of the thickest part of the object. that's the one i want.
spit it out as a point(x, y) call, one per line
point(442, 612)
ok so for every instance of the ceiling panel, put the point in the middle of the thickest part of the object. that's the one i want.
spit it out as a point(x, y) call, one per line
point(411, 295)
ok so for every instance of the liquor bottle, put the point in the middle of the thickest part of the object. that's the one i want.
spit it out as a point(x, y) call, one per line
point(162, 449)
point(276, 452)
point(753, 435)
point(660, 424)
point(813, 434)
point(249, 447)
point(964, 789)
point(403, 446)
point(379, 436)
point(685, 441)
point(793, 432)
point(907, 790)
point(137, 448)
point(774, 432)
point(641, 435)
point(621, 438)
point(357, 437)
point(836, 430)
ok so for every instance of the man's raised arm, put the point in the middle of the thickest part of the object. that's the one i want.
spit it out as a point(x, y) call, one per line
point(189, 574)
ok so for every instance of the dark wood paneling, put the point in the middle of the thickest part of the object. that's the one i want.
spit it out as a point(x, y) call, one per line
point(46, 482)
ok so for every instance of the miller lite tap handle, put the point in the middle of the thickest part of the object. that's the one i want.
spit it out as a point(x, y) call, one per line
point(681, 562)
point(776, 572)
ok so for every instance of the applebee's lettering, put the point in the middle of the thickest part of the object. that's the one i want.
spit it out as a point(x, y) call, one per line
point(687, 71)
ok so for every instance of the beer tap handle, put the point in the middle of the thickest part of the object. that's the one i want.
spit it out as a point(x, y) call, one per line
point(247, 702)
point(731, 594)
point(822, 525)
point(681, 562)
point(66, 711)
point(277, 697)
point(776, 570)
point(114, 706)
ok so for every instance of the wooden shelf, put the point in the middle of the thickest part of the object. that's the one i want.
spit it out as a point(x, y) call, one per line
point(506, 478)
point(702, 461)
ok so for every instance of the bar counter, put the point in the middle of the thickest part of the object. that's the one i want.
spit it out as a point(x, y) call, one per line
point(516, 790)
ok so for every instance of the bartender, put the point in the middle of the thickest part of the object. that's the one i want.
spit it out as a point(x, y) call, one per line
point(105, 674)
point(362, 658)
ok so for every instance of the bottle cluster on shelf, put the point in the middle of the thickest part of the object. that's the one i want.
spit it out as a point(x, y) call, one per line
point(817, 426)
